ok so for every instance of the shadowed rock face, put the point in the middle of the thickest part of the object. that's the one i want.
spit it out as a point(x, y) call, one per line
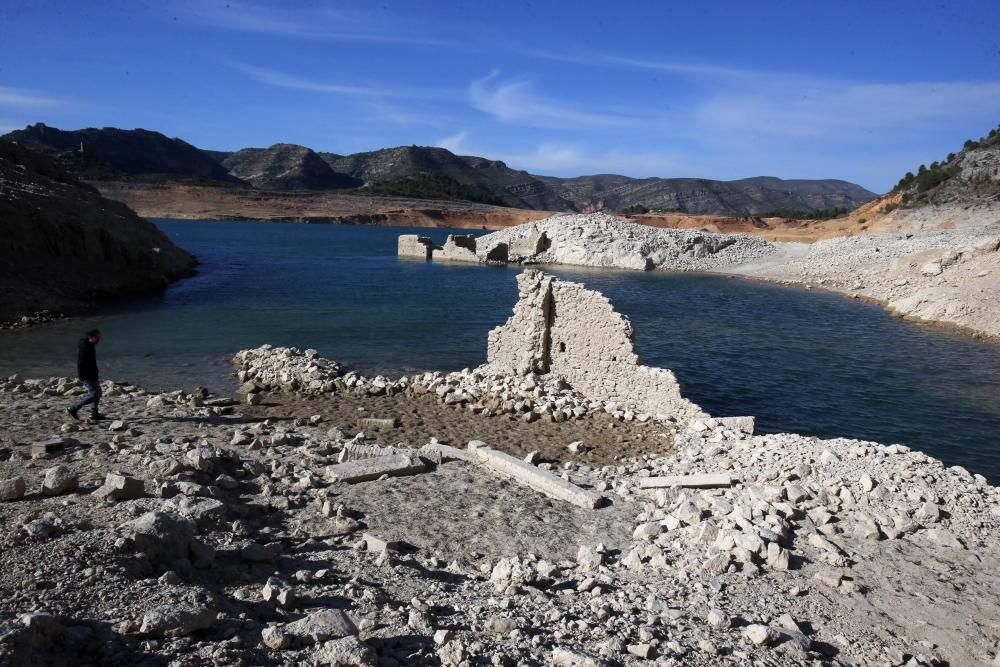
point(64, 245)
point(286, 167)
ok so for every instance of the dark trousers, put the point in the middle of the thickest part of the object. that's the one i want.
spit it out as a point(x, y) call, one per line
point(93, 397)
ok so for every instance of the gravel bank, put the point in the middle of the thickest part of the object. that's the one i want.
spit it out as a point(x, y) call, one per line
point(949, 276)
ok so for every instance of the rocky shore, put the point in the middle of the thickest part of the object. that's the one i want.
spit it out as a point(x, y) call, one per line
point(938, 266)
point(315, 518)
point(64, 246)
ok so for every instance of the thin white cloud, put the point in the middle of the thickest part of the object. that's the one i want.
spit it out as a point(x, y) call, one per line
point(456, 143)
point(284, 80)
point(514, 101)
point(20, 99)
point(572, 159)
point(596, 58)
point(820, 107)
point(318, 24)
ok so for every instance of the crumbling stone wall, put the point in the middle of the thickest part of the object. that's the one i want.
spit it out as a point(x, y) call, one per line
point(531, 244)
point(564, 329)
point(459, 248)
point(411, 245)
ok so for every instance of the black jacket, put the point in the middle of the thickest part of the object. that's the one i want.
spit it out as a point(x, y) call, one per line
point(86, 361)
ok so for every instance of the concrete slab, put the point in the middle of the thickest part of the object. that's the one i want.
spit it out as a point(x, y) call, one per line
point(366, 470)
point(541, 480)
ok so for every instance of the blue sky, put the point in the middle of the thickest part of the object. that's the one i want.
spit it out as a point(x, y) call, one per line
point(862, 91)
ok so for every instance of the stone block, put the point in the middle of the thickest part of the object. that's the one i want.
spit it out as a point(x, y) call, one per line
point(12, 489)
point(120, 487)
point(367, 470)
point(412, 245)
point(541, 480)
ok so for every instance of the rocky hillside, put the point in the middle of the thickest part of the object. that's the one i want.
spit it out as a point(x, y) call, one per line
point(64, 245)
point(762, 195)
point(286, 167)
point(112, 154)
point(492, 177)
point(426, 173)
point(971, 176)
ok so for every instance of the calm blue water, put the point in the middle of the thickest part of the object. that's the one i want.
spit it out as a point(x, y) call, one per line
point(800, 361)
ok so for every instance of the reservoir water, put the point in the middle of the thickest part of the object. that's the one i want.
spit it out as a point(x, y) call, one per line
point(801, 361)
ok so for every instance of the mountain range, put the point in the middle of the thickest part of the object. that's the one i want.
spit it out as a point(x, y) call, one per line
point(112, 154)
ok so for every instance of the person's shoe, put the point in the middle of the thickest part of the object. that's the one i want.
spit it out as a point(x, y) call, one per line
point(72, 413)
point(96, 418)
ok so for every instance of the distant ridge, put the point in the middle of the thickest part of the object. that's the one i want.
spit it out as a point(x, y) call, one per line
point(286, 167)
point(109, 153)
point(420, 171)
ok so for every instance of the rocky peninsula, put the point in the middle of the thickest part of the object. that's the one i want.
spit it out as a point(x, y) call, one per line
point(64, 246)
point(323, 517)
point(920, 264)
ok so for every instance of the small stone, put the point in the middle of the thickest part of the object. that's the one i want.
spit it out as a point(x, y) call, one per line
point(442, 637)
point(761, 635)
point(719, 619)
point(644, 651)
point(120, 487)
point(647, 531)
point(60, 479)
point(177, 620)
point(501, 625)
point(928, 513)
point(259, 553)
point(588, 558)
point(274, 638)
point(12, 489)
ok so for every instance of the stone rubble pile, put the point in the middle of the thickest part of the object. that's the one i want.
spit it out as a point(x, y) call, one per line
point(599, 239)
point(247, 544)
point(485, 390)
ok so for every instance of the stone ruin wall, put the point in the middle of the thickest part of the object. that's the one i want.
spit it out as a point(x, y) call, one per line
point(412, 245)
point(458, 249)
point(566, 330)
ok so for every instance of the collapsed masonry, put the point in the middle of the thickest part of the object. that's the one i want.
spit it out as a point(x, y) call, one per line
point(563, 329)
point(465, 248)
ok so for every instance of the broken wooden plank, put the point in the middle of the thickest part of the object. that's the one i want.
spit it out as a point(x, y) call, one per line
point(698, 481)
point(541, 480)
point(366, 470)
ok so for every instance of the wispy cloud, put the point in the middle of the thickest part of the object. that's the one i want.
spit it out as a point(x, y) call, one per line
point(23, 99)
point(515, 101)
point(818, 107)
point(303, 23)
point(572, 159)
point(601, 59)
point(285, 80)
point(456, 143)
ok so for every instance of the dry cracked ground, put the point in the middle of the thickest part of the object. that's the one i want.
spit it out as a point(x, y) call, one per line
point(192, 530)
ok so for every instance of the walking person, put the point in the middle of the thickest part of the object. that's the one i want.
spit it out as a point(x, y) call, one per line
point(86, 369)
